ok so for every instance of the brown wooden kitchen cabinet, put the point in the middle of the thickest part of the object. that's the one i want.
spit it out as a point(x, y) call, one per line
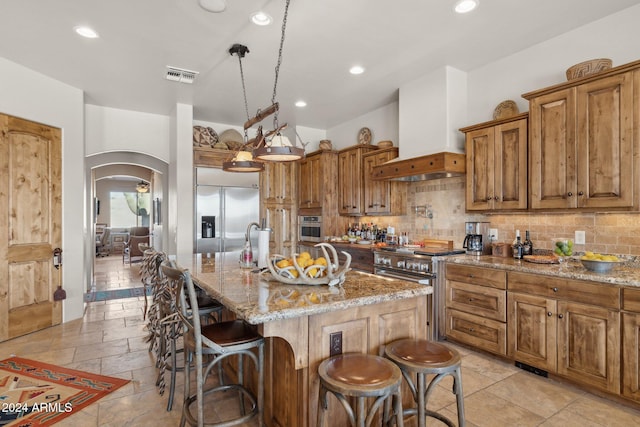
point(382, 197)
point(310, 182)
point(277, 190)
point(361, 256)
point(475, 307)
point(583, 142)
point(496, 153)
point(631, 343)
point(567, 327)
point(351, 180)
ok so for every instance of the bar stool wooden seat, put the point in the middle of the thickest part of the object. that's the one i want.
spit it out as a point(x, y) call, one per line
point(361, 376)
point(421, 358)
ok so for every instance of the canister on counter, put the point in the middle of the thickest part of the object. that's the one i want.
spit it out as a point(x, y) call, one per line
point(502, 249)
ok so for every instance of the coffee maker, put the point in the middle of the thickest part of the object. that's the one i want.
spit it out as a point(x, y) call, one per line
point(477, 241)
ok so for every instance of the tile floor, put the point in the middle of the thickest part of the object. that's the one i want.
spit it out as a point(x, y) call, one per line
point(110, 340)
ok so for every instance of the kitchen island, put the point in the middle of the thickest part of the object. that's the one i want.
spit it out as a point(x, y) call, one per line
point(304, 324)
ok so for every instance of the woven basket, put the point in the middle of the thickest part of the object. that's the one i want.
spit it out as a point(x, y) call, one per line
point(588, 68)
point(325, 144)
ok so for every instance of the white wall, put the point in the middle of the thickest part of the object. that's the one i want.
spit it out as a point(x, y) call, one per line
point(33, 96)
point(111, 129)
point(544, 64)
point(383, 123)
point(311, 137)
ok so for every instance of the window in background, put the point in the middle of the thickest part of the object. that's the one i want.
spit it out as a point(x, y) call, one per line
point(130, 209)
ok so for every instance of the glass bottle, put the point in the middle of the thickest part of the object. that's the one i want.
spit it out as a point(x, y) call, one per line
point(517, 248)
point(527, 245)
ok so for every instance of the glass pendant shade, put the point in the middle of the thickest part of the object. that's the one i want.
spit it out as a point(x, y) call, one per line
point(279, 149)
point(243, 162)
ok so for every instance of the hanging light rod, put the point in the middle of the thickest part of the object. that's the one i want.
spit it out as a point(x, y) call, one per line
point(261, 115)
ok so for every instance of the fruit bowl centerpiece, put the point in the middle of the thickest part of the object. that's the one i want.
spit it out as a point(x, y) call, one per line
point(599, 263)
point(301, 269)
point(562, 247)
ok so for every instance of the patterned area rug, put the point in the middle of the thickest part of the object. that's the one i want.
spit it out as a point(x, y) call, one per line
point(94, 296)
point(39, 394)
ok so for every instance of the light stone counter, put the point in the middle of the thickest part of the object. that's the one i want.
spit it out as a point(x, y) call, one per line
point(625, 274)
point(258, 298)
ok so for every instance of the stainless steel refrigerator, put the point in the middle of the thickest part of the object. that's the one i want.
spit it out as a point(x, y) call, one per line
point(222, 216)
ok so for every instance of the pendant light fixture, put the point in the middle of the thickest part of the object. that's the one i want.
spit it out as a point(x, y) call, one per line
point(142, 187)
point(273, 146)
point(278, 148)
point(242, 160)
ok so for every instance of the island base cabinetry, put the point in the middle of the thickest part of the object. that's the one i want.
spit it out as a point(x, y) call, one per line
point(291, 369)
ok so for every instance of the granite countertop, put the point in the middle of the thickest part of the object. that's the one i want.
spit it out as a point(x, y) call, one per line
point(258, 298)
point(626, 273)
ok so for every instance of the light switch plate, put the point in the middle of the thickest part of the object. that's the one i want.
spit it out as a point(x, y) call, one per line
point(493, 234)
point(579, 238)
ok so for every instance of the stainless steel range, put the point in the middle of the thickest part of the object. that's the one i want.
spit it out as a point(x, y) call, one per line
point(416, 265)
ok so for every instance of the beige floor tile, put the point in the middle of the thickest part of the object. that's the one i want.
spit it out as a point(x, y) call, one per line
point(103, 349)
point(541, 396)
point(489, 367)
point(142, 409)
point(56, 357)
point(488, 410)
point(567, 418)
point(604, 412)
point(126, 362)
point(120, 333)
point(101, 325)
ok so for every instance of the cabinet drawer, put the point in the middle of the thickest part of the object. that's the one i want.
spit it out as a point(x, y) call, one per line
point(477, 275)
point(631, 299)
point(479, 300)
point(477, 331)
point(601, 295)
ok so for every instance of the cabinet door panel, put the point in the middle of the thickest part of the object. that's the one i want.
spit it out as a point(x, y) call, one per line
point(480, 169)
point(552, 156)
point(532, 330)
point(510, 182)
point(631, 355)
point(589, 345)
point(605, 142)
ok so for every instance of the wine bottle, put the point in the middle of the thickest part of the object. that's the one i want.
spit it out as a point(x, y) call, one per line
point(527, 245)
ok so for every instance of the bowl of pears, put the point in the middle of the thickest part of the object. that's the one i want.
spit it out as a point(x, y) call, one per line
point(599, 263)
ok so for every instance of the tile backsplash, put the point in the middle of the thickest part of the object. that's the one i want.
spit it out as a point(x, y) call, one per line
point(617, 233)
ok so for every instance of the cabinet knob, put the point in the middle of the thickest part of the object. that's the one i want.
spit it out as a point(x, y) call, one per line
point(570, 194)
point(471, 275)
point(549, 314)
point(560, 316)
point(554, 289)
point(471, 330)
point(496, 198)
point(489, 198)
point(581, 193)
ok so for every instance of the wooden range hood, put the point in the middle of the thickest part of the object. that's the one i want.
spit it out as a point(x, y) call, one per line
point(423, 168)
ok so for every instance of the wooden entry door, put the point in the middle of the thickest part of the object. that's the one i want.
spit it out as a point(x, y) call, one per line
point(30, 225)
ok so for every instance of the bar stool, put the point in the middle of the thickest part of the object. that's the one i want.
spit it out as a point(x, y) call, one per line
point(218, 340)
point(422, 357)
point(360, 376)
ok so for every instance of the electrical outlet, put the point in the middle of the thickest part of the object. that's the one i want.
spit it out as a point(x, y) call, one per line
point(579, 238)
point(335, 343)
point(493, 234)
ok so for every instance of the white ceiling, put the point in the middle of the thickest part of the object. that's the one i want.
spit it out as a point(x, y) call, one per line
point(396, 41)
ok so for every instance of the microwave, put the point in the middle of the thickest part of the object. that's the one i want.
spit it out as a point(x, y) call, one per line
point(310, 228)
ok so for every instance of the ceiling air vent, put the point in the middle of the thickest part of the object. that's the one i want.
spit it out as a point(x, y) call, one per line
point(181, 75)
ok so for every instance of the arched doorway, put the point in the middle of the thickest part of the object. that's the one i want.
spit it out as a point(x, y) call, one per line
point(123, 166)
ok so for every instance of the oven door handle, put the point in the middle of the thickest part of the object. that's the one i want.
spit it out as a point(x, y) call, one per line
point(385, 273)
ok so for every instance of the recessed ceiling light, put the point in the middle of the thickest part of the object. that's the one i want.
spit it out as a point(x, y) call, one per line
point(86, 32)
point(464, 6)
point(356, 69)
point(215, 6)
point(261, 18)
point(301, 104)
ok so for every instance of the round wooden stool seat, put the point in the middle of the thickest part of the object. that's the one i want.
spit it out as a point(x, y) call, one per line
point(360, 376)
point(419, 358)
